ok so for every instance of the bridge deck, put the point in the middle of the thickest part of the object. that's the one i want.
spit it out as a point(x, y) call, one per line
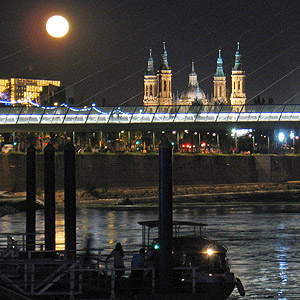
point(21, 118)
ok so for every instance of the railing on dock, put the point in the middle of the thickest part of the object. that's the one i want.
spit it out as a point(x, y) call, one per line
point(70, 273)
point(18, 240)
point(71, 276)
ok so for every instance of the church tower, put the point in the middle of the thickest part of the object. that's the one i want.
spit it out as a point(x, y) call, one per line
point(238, 95)
point(193, 78)
point(220, 83)
point(164, 80)
point(150, 84)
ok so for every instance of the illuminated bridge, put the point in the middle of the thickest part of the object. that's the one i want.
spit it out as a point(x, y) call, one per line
point(90, 119)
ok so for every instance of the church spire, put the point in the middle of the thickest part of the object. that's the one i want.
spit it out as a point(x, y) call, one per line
point(164, 59)
point(150, 68)
point(193, 76)
point(238, 62)
point(219, 71)
point(220, 96)
point(238, 95)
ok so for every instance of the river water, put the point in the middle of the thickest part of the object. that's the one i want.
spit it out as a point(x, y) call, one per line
point(263, 240)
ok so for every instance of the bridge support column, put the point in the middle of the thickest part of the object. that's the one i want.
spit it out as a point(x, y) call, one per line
point(178, 140)
point(236, 143)
point(42, 141)
point(129, 140)
point(14, 139)
point(74, 137)
point(101, 140)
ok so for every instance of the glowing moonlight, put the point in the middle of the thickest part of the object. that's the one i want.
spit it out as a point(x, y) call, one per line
point(57, 26)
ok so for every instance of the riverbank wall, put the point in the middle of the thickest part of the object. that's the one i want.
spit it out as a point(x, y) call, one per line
point(130, 170)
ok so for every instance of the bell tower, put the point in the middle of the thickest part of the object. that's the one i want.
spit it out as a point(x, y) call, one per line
point(193, 78)
point(220, 83)
point(238, 95)
point(150, 84)
point(164, 80)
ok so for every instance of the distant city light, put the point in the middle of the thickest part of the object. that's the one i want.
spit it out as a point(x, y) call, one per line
point(210, 252)
point(241, 132)
point(281, 136)
point(292, 135)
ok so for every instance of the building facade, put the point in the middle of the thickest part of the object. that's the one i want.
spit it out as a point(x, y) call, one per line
point(158, 85)
point(16, 91)
point(238, 93)
point(220, 90)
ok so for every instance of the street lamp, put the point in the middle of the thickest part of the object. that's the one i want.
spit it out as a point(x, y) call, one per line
point(281, 136)
point(292, 137)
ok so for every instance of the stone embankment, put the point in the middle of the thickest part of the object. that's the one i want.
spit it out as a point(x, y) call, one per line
point(11, 203)
point(285, 191)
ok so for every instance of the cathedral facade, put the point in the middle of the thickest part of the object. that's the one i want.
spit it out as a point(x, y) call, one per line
point(158, 85)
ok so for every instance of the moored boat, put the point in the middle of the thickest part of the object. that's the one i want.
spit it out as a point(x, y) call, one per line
point(200, 264)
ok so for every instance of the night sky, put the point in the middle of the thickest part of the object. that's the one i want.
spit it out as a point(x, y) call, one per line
point(105, 54)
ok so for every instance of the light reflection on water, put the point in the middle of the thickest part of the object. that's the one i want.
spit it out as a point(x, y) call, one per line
point(263, 242)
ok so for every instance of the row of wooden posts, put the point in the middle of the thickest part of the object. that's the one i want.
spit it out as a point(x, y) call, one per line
point(49, 189)
point(165, 204)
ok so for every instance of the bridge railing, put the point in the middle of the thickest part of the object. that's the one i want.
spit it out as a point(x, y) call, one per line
point(148, 114)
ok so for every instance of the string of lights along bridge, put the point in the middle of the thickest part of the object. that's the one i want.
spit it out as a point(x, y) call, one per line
point(64, 114)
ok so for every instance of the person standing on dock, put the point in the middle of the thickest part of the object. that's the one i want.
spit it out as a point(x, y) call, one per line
point(87, 248)
point(138, 263)
point(118, 255)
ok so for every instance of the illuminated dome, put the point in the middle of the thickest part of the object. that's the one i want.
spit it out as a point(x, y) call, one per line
point(193, 93)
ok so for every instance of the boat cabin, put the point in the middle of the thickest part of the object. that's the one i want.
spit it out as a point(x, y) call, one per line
point(190, 247)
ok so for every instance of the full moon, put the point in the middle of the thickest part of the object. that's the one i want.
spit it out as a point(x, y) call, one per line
point(57, 26)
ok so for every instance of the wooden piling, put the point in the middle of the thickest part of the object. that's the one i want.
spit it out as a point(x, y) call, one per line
point(70, 197)
point(30, 198)
point(165, 216)
point(49, 186)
